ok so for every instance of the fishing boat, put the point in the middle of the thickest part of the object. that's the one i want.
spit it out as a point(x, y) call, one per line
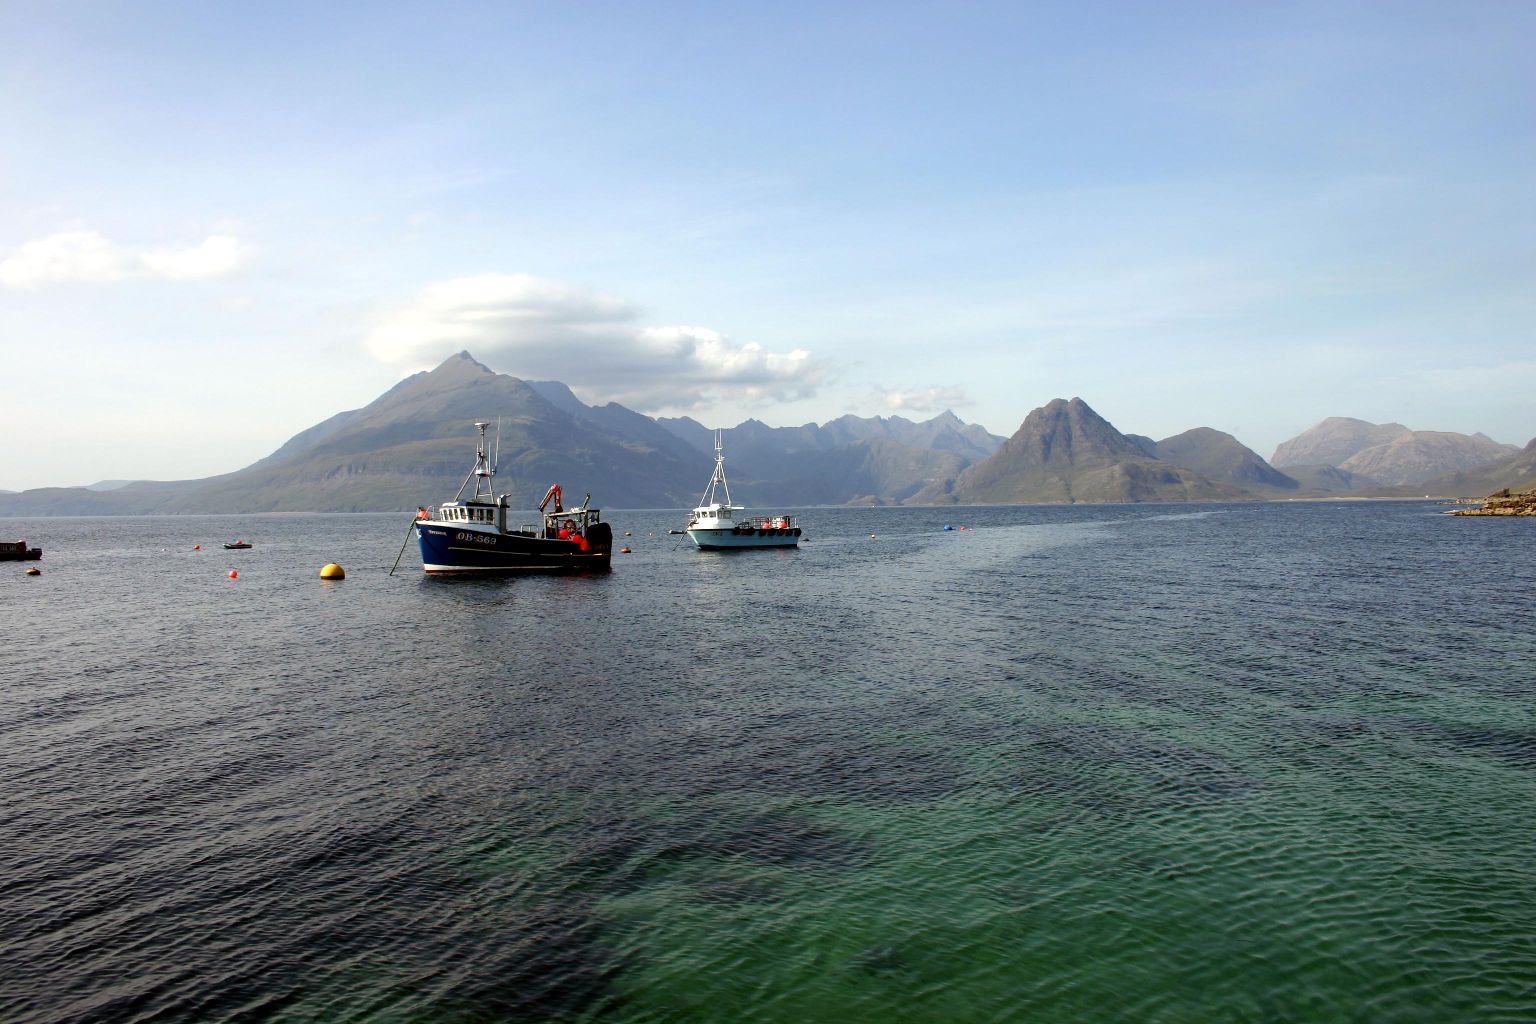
point(474, 535)
point(239, 545)
point(719, 525)
point(17, 551)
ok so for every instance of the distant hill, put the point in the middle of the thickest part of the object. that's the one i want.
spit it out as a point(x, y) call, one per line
point(1223, 459)
point(1387, 455)
point(878, 471)
point(870, 460)
point(1421, 455)
point(1517, 472)
point(755, 439)
point(1329, 480)
point(614, 418)
point(1332, 441)
point(1066, 452)
point(413, 445)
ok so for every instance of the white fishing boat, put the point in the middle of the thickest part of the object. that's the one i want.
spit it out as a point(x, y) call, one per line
point(719, 525)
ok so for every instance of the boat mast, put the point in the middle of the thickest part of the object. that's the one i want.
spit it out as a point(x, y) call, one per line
point(718, 480)
point(482, 474)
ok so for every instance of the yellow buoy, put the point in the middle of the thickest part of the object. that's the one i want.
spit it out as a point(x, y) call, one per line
point(34, 571)
point(332, 571)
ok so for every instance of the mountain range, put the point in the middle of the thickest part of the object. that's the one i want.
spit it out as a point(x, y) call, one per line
point(415, 444)
point(1387, 453)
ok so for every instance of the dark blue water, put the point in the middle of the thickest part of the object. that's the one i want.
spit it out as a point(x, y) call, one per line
point(1134, 763)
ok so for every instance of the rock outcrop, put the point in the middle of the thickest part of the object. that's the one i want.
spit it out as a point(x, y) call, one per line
point(1504, 503)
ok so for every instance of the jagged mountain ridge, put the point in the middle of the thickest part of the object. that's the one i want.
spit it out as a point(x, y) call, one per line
point(415, 443)
point(753, 439)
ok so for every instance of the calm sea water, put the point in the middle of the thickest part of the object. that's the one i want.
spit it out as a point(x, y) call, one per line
point(1136, 763)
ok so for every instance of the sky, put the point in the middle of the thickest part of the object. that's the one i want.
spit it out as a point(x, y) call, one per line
point(223, 223)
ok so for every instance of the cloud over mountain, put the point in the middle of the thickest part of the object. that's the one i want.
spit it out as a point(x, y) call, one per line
point(89, 257)
point(538, 328)
point(930, 399)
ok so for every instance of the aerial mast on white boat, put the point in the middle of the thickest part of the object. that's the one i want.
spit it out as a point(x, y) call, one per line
point(718, 480)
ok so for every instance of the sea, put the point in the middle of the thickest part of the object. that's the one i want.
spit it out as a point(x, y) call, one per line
point(1148, 763)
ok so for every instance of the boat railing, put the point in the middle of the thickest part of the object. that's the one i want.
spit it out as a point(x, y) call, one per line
point(571, 521)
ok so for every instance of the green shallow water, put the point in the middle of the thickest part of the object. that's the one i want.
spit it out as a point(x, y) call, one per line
point(1235, 763)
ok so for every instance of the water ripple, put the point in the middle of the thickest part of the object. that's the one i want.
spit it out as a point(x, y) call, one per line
point(1093, 763)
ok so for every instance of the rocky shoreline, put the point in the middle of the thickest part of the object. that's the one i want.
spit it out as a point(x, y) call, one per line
point(1504, 503)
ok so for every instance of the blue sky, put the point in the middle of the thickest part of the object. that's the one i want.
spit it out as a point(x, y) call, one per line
point(220, 224)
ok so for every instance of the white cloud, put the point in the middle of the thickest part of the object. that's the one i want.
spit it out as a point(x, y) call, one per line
point(217, 256)
point(934, 399)
point(536, 328)
point(88, 257)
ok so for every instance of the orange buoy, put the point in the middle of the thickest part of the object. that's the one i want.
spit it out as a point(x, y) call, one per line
point(234, 574)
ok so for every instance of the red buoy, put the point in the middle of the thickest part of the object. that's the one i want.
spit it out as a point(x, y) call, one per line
point(197, 547)
point(234, 574)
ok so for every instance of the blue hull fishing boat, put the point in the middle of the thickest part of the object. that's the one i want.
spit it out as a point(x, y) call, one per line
point(17, 551)
point(475, 535)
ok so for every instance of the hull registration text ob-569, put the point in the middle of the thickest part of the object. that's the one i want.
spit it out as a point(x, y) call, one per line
point(473, 536)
